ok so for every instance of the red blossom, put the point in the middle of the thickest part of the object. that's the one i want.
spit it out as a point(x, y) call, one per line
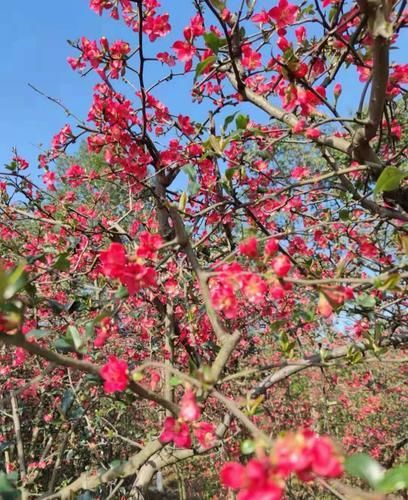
point(250, 58)
point(156, 26)
point(134, 275)
point(176, 431)
point(189, 409)
point(184, 51)
point(284, 13)
point(205, 434)
point(281, 265)
point(249, 248)
point(115, 375)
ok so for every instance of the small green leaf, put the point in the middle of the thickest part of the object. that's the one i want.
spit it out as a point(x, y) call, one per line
point(62, 263)
point(215, 143)
point(366, 301)
point(394, 480)
point(389, 179)
point(203, 65)
point(344, 214)
point(137, 376)
point(193, 188)
point(37, 334)
point(115, 463)
point(64, 345)
point(175, 381)
point(73, 333)
point(67, 399)
point(190, 172)
point(365, 467)
point(389, 283)
point(213, 42)
point(219, 4)
point(57, 307)
point(15, 282)
point(229, 173)
point(247, 447)
point(242, 121)
point(7, 491)
point(228, 120)
point(122, 293)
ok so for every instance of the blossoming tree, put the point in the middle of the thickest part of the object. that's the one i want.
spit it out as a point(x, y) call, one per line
point(228, 282)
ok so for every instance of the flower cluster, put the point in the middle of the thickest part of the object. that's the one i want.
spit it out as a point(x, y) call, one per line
point(303, 453)
point(99, 6)
point(184, 49)
point(283, 15)
point(112, 56)
point(178, 430)
point(154, 25)
point(234, 280)
point(131, 271)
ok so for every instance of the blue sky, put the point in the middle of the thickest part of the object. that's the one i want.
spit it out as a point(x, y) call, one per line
point(34, 37)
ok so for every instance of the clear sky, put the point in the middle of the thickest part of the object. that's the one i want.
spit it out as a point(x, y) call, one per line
point(34, 39)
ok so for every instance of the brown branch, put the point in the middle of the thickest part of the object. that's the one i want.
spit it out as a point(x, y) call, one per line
point(288, 119)
point(184, 242)
point(18, 340)
point(94, 478)
point(309, 362)
point(17, 431)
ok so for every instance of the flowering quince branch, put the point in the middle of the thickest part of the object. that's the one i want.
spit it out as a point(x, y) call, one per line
point(112, 373)
point(184, 254)
point(315, 360)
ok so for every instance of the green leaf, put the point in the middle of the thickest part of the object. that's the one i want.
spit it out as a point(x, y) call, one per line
point(89, 330)
point(115, 463)
point(344, 214)
point(57, 307)
point(366, 301)
point(122, 293)
point(229, 173)
point(64, 345)
point(389, 283)
point(389, 179)
point(394, 480)
point(175, 381)
point(247, 447)
point(203, 65)
point(37, 334)
point(190, 172)
point(67, 399)
point(218, 4)
point(193, 188)
point(62, 263)
point(137, 376)
point(15, 282)
point(7, 491)
point(242, 121)
point(5, 445)
point(215, 143)
point(228, 120)
point(213, 42)
point(12, 166)
point(75, 413)
point(73, 333)
point(365, 467)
